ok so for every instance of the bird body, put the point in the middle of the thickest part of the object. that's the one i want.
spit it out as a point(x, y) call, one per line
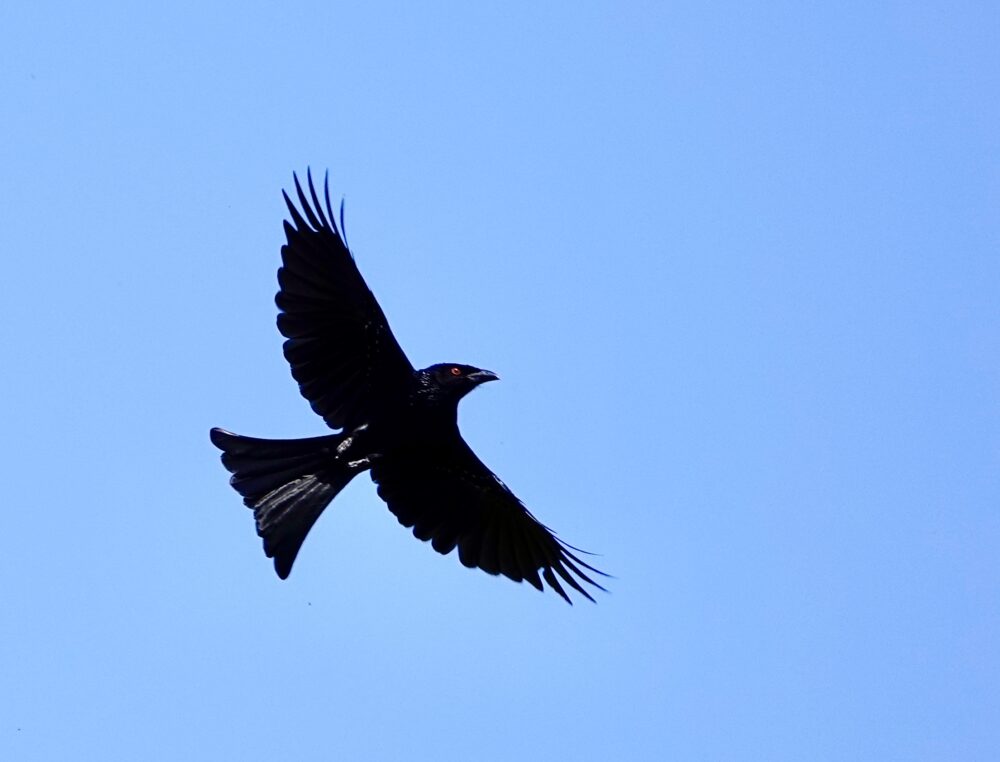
point(397, 422)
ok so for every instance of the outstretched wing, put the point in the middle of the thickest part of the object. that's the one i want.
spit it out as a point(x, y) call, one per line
point(453, 500)
point(340, 347)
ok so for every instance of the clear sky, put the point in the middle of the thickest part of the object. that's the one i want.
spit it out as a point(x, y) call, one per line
point(738, 266)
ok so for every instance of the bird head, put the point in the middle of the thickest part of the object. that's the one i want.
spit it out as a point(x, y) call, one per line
point(454, 380)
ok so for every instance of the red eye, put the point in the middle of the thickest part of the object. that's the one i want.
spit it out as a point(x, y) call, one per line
point(456, 371)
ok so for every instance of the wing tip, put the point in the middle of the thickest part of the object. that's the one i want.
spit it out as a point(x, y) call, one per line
point(317, 216)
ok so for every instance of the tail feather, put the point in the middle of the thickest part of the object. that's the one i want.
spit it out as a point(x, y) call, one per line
point(285, 516)
point(288, 483)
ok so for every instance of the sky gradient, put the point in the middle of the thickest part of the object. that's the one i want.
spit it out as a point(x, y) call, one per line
point(738, 269)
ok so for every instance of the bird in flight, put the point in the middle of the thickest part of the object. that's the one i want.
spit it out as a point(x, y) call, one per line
point(398, 423)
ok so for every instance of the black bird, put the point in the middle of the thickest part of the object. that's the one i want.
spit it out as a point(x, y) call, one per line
point(399, 423)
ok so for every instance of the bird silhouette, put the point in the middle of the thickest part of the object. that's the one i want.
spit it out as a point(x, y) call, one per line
point(396, 422)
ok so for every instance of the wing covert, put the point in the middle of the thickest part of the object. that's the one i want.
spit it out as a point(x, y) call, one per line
point(339, 344)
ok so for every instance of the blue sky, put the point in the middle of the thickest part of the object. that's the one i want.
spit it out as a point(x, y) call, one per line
point(737, 268)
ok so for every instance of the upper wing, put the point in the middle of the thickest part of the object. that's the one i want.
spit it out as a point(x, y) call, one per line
point(452, 499)
point(340, 346)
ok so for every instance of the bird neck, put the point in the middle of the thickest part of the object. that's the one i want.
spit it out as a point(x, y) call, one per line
point(436, 406)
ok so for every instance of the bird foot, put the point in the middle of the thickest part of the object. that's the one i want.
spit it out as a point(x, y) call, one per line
point(366, 462)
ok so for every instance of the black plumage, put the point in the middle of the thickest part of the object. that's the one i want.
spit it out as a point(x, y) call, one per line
point(397, 422)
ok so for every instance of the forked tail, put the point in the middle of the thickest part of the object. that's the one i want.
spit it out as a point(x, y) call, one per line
point(287, 483)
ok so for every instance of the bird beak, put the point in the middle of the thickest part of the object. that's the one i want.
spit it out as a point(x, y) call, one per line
point(482, 376)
